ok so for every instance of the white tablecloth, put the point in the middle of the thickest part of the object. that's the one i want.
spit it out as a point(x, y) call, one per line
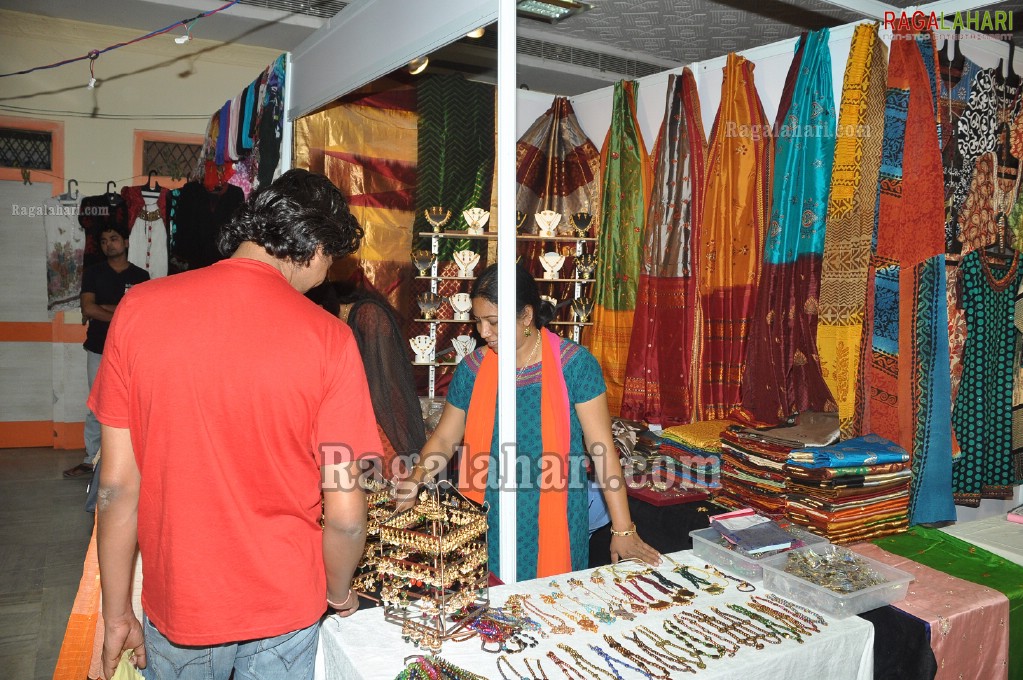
point(365, 647)
point(994, 534)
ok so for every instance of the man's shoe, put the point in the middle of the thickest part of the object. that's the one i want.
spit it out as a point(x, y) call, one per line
point(80, 470)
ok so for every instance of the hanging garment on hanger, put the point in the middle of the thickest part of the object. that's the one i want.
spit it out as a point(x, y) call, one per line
point(65, 252)
point(983, 411)
point(732, 237)
point(97, 213)
point(957, 78)
point(850, 223)
point(658, 375)
point(271, 123)
point(625, 180)
point(904, 392)
point(197, 216)
point(782, 374)
point(983, 127)
point(147, 242)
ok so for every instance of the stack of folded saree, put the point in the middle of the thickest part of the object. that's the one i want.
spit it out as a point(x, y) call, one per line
point(696, 448)
point(752, 473)
point(851, 491)
point(753, 461)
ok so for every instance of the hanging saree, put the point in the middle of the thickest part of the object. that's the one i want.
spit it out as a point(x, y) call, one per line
point(904, 391)
point(983, 412)
point(626, 179)
point(782, 374)
point(557, 168)
point(850, 224)
point(732, 235)
point(366, 145)
point(659, 375)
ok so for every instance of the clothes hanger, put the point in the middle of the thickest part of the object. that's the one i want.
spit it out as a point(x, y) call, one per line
point(67, 195)
point(113, 198)
point(1011, 77)
point(149, 186)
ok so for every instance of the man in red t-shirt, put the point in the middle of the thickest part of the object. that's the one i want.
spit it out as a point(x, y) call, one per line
point(228, 401)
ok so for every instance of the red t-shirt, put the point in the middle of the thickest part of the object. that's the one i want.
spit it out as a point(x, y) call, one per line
point(230, 381)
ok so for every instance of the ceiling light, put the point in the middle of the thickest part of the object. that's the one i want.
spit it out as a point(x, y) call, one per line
point(476, 33)
point(417, 66)
point(551, 11)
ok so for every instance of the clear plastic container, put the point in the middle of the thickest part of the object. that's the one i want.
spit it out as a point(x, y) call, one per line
point(707, 545)
point(827, 601)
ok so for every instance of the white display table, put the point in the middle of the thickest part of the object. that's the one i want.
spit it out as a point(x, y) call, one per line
point(365, 647)
point(994, 534)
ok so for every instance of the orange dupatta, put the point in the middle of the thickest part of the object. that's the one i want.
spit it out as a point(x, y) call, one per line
point(553, 553)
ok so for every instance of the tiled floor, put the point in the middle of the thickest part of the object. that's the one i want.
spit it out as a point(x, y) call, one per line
point(44, 533)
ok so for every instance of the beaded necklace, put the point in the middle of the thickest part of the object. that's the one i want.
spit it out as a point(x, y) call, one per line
point(591, 668)
point(708, 637)
point(809, 614)
point(515, 673)
point(565, 668)
point(613, 606)
point(611, 661)
point(435, 668)
point(666, 658)
point(788, 620)
point(663, 644)
point(599, 582)
point(687, 638)
point(776, 630)
point(580, 620)
point(638, 660)
point(560, 627)
point(539, 669)
point(602, 614)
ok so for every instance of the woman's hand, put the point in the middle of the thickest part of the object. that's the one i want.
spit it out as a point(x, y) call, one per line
point(624, 547)
point(405, 492)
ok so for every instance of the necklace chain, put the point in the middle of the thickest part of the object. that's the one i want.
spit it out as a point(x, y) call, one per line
point(529, 361)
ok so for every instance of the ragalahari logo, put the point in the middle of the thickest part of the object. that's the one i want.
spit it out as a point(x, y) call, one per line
point(940, 21)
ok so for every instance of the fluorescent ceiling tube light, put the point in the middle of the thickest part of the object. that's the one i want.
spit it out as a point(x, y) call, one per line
point(551, 11)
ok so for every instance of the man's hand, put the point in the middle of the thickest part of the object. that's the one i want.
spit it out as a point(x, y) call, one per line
point(118, 635)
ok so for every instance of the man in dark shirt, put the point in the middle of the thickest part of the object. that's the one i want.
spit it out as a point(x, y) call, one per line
point(103, 286)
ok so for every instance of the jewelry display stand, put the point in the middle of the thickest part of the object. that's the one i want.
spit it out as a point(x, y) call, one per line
point(575, 232)
point(432, 567)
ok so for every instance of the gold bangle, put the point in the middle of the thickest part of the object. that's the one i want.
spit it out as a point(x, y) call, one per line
point(627, 532)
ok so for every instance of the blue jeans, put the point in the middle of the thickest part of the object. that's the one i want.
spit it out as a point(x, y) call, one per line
point(286, 657)
point(92, 428)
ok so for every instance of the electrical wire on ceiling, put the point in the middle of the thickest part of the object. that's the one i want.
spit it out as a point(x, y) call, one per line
point(107, 116)
point(92, 55)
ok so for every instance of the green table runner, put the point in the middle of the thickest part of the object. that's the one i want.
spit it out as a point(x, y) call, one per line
point(955, 557)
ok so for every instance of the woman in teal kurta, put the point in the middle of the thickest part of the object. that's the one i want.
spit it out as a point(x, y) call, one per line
point(585, 382)
point(471, 408)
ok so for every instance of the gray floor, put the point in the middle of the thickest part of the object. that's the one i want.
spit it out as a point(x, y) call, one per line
point(44, 533)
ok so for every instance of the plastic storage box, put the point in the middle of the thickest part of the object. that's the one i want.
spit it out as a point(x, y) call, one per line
point(839, 605)
point(707, 546)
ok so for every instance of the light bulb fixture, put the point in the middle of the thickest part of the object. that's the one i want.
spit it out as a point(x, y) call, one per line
point(182, 39)
point(476, 33)
point(417, 66)
point(551, 11)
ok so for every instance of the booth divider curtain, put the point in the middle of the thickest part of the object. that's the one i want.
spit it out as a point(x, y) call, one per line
point(659, 372)
point(782, 374)
point(366, 145)
point(626, 173)
point(732, 235)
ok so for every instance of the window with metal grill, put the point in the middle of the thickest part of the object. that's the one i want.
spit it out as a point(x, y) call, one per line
point(26, 149)
point(170, 159)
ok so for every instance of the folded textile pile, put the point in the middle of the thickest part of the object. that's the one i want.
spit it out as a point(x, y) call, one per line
point(851, 491)
point(696, 450)
point(753, 461)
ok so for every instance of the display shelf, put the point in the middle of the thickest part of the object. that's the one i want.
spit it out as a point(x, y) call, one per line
point(442, 321)
point(492, 236)
point(435, 278)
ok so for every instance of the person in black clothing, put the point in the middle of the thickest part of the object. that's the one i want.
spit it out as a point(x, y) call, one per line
point(103, 286)
point(388, 371)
